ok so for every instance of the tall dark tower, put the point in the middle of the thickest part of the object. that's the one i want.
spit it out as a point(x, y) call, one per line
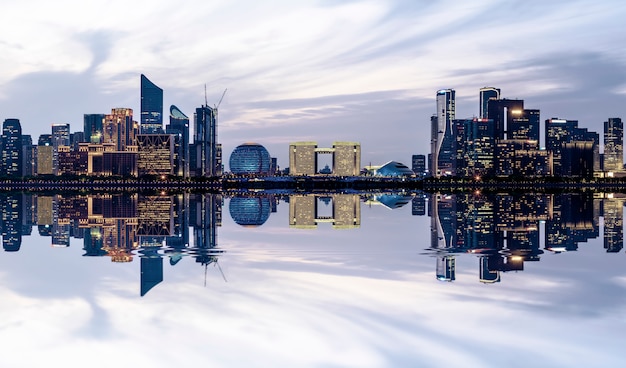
point(502, 112)
point(205, 124)
point(151, 107)
point(486, 94)
point(179, 127)
point(11, 147)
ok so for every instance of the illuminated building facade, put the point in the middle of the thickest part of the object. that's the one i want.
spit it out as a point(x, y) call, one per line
point(525, 126)
point(11, 148)
point(72, 162)
point(44, 160)
point(155, 154)
point(303, 158)
point(582, 159)
point(120, 129)
point(613, 145)
point(346, 158)
point(60, 137)
point(151, 107)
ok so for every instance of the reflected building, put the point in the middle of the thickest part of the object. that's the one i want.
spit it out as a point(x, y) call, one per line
point(418, 205)
point(446, 268)
point(11, 222)
point(250, 211)
point(303, 211)
point(613, 213)
point(442, 141)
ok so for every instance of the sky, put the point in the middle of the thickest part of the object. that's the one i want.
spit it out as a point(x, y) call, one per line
point(364, 71)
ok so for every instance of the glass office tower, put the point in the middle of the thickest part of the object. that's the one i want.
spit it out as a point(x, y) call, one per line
point(151, 107)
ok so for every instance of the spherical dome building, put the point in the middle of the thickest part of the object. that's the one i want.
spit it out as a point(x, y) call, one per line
point(249, 211)
point(250, 158)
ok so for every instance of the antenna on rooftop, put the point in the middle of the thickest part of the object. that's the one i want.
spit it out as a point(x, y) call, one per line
point(206, 103)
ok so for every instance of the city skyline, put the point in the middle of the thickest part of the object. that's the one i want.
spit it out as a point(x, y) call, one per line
point(304, 72)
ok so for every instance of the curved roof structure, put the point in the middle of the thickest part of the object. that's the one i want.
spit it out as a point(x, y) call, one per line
point(391, 168)
point(176, 113)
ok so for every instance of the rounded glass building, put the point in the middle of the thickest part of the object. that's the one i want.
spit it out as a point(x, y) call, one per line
point(250, 158)
point(249, 211)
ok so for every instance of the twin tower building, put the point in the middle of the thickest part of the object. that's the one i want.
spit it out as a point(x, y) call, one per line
point(504, 140)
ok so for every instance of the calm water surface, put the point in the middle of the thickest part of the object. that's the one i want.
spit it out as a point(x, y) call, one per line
point(297, 281)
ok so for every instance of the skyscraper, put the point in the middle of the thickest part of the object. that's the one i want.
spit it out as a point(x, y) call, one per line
point(119, 128)
point(205, 124)
point(60, 137)
point(11, 147)
point(613, 145)
point(503, 112)
point(179, 127)
point(151, 107)
point(93, 124)
point(525, 126)
point(444, 153)
point(486, 94)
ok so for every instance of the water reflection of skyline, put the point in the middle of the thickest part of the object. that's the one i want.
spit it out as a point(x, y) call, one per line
point(503, 230)
point(507, 230)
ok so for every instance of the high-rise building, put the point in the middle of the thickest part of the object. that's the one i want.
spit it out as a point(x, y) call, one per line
point(155, 154)
point(503, 112)
point(93, 125)
point(44, 160)
point(205, 124)
point(444, 153)
point(44, 140)
point(151, 107)
point(28, 156)
point(60, 137)
point(613, 145)
point(487, 94)
point(346, 158)
point(303, 158)
point(418, 165)
point(11, 148)
point(179, 127)
point(120, 129)
point(525, 126)
point(580, 159)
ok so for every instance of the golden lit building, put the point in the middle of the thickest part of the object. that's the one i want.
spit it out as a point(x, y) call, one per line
point(155, 154)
